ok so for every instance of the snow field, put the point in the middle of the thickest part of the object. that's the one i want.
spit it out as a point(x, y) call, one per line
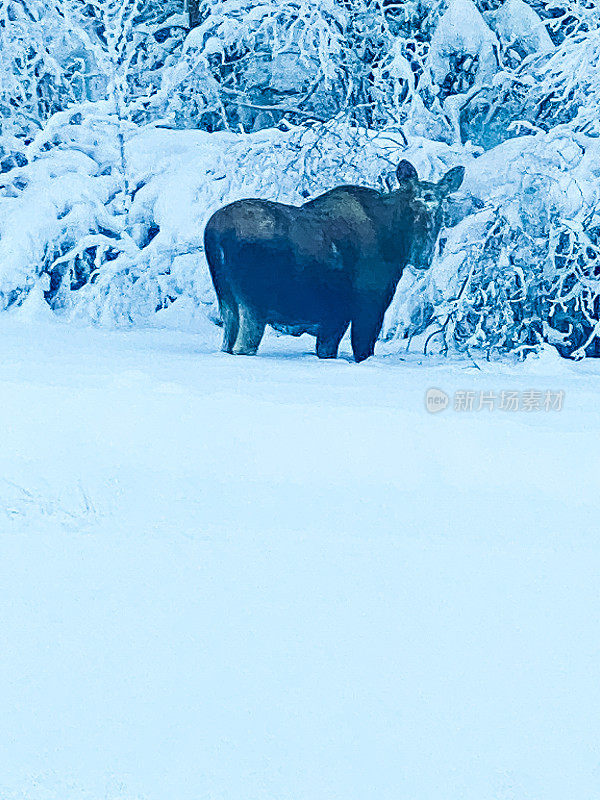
point(280, 578)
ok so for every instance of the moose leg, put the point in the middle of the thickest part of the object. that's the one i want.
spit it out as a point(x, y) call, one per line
point(231, 323)
point(329, 337)
point(366, 326)
point(250, 333)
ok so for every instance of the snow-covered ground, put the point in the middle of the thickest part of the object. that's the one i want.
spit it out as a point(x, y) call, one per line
point(275, 578)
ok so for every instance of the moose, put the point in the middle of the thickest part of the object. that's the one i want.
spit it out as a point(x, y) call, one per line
point(332, 262)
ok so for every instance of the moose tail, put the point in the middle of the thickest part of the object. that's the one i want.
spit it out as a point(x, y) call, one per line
point(217, 264)
point(215, 257)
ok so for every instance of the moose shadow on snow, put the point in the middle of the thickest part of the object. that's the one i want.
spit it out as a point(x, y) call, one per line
point(331, 263)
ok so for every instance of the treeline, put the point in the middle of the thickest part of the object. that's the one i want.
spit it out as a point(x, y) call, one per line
point(447, 81)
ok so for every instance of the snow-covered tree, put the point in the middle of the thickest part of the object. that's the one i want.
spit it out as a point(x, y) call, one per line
point(286, 98)
point(45, 64)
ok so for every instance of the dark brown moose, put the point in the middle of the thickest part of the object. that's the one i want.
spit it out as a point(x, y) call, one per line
point(334, 261)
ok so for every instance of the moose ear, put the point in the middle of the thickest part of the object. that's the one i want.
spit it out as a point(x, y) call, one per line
point(452, 180)
point(405, 172)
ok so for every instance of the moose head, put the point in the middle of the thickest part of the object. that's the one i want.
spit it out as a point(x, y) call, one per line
point(421, 203)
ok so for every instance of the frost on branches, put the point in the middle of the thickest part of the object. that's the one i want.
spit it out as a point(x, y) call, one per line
point(124, 128)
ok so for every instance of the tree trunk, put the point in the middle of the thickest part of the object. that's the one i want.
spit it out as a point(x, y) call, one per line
point(193, 8)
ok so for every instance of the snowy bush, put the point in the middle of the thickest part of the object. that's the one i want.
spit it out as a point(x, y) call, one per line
point(59, 53)
point(44, 65)
point(523, 269)
point(249, 63)
point(118, 233)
